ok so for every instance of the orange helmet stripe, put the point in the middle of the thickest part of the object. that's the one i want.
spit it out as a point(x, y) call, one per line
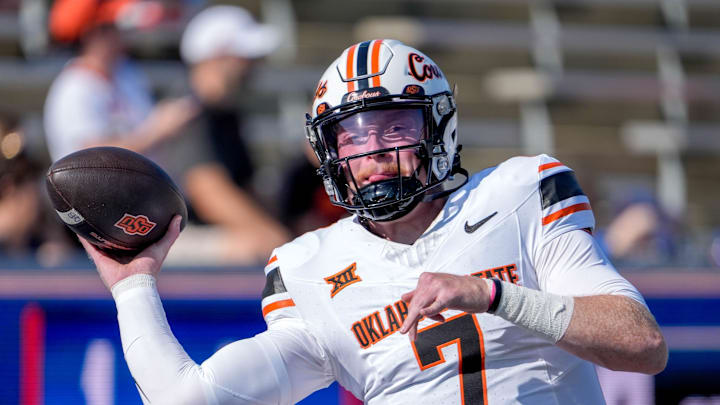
point(349, 68)
point(375, 62)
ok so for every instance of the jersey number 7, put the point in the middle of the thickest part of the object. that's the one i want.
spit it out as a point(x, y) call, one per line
point(464, 331)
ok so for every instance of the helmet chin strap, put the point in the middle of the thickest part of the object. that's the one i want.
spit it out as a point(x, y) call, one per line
point(385, 190)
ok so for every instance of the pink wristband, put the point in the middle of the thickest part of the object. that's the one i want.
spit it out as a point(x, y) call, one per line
point(492, 291)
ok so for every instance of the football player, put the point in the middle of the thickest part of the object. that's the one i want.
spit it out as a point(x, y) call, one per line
point(442, 287)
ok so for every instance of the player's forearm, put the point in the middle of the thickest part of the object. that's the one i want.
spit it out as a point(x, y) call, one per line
point(615, 332)
point(161, 368)
point(240, 373)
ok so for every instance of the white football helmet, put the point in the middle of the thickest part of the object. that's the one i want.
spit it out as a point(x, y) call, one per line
point(384, 77)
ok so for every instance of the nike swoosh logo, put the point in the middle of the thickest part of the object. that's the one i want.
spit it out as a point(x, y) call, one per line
point(472, 228)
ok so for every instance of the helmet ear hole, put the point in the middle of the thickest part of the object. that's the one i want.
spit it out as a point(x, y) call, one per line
point(440, 167)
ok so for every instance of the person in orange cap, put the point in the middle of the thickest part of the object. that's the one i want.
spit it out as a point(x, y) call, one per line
point(100, 98)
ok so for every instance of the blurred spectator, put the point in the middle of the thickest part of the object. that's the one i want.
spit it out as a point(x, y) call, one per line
point(210, 159)
point(641, 234)
point(28, 229)
point(221, 45)
point(713, 251)
point(100, 98)
point(305, 205)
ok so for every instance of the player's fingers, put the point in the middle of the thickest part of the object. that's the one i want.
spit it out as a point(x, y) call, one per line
point(433, 309)
point(172, 233)
point(437, 318)
point(413, 317)
point(160, 248)
point(413, 332)
point(407, 297)
point(95, 254)
point(407, 323)
point(89, 248)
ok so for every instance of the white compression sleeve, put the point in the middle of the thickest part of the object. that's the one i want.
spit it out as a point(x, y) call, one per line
point(155, 358)
point(545, 314)
point(281, 365)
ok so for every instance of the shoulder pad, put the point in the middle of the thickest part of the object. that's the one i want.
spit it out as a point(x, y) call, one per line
point(297, 251)
point(287, 265)
point(277, 302)
point(564, 205)
point(526, 171)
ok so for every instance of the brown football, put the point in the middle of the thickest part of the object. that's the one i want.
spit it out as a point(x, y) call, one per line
point(115, 198)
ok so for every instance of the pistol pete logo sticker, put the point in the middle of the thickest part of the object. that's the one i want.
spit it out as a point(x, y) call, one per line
point(135, 225)
point(321, 90)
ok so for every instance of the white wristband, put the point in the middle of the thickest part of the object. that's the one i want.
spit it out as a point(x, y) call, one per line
point(134, 281)
point(545, 314)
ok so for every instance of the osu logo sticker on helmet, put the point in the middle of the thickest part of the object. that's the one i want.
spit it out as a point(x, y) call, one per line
point(321, 108)
point(135, 225)
point(414, 89)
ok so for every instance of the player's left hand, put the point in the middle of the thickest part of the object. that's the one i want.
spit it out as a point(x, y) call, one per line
point(436, 292)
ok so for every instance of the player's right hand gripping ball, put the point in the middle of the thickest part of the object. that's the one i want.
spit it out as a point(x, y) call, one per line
point(115, 198)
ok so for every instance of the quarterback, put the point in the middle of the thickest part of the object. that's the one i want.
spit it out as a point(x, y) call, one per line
point(443, 287)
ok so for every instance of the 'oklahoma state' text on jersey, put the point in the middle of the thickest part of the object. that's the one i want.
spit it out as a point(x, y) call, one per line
point(345, 284)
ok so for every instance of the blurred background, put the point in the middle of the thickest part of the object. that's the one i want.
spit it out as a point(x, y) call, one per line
point(625, 92)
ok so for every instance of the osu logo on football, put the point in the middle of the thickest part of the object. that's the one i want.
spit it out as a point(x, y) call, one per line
point(135, 225)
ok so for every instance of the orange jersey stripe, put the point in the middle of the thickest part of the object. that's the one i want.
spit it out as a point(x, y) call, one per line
point(375, 62)
point(277, 305)
point(272, 260)
point(565, 212)
point(349, 68)
point(549, 166)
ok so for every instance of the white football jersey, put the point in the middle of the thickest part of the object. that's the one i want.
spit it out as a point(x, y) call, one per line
point(344, 283)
